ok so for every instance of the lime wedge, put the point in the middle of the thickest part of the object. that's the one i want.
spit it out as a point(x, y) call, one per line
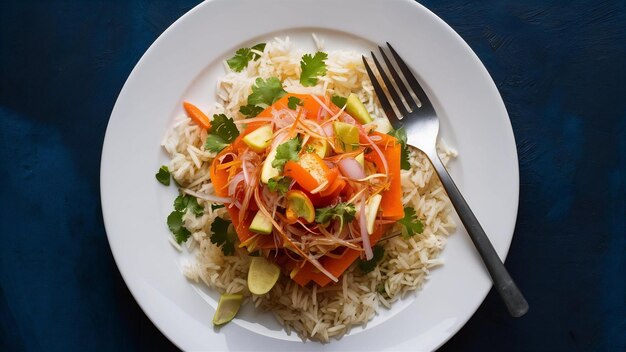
point(262, 275)
point(227, 308)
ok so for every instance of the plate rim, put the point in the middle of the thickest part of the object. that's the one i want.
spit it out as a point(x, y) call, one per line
point(138, 66)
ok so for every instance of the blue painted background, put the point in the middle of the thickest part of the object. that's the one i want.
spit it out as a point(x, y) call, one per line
point(560, 67)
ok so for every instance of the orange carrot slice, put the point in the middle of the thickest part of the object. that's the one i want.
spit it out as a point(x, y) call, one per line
point(197, 115)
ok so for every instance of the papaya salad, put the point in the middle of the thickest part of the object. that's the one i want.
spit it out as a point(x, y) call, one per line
point(296, 195)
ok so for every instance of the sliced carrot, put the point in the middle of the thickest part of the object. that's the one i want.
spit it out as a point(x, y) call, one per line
point(391, 203)
point(309, 105)
point(335, 188)
point(197, 115)
point(335, 266)
point(219, 177)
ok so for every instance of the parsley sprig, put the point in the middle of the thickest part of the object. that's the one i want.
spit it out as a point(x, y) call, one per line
point(175, 224)
point(250, 110)
point(163, 175)
point(243, 56)
point(312, 67)
point(186, 202)
point(223, 132)
point(343, 212)
point(266, 92)
point(223, 234)
point(412, 225)
point(287, 151)
point(339, 101)
point(294, 102)
point(367, 266)
point(279, 184)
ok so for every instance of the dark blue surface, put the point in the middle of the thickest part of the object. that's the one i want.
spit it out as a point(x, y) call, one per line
point(560, 67)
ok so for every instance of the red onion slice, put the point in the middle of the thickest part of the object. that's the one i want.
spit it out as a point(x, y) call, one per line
point(351, 168)
point(367, 247)
point(232, 186)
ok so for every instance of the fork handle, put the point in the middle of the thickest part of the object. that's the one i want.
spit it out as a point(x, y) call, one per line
point(504, 284)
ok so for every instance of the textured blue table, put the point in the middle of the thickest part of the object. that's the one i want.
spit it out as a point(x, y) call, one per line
point(560, 67)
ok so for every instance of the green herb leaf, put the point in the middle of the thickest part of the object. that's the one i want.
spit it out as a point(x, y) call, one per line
point(340, 102)
point(265, 93)
point(222, 132)
point(344, 212)
point(250, 110)
point(163, 175)
point(175, 224)
point(294, 102)
point(367, 266)
point(312, 67)
point(380, 288)
point(287, 151)
point(400, 135)
point(279, 184)
point(223, 235)
point(412, 225)
point(187, 202)
point(214, 143)
point(243, 56)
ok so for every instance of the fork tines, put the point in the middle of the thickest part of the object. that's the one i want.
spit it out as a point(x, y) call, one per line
point(405, 92)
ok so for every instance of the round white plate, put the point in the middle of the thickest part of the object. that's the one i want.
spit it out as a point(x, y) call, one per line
point(184, 63)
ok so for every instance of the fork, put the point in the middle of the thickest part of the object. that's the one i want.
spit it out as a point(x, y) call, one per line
point(419, 118)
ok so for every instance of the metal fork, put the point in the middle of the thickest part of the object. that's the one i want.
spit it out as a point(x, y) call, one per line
point(420, 120)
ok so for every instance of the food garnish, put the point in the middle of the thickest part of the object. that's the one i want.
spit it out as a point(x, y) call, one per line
point(227, 308)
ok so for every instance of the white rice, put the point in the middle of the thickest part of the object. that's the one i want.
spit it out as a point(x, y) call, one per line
point(312, 312)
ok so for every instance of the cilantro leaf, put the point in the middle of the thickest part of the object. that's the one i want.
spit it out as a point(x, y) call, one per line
point(214, 143)
point(400, 135)
point(243, 56)
point(163, 175)
point(279, 184)
point(340, 102)
point(312, 67)
point(187, 202)
point(222, 132)
point(250, 110)
point(175, 224)
point(287, 151)
point(294, 102)
point(344, 212)
point(223, 236)
point(224, 127)
point(412, 225)
point(367, 266)
point(266, 92)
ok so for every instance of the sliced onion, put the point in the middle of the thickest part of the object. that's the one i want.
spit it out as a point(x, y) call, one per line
point(328, 129)
point(349, 119)
point(208, 197)
point(278, 139)
point(222, 157)
point(351, 168)
point(232, 187)
point(367, 247)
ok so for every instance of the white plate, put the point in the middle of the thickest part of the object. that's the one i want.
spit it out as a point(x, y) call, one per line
point(184, 62)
